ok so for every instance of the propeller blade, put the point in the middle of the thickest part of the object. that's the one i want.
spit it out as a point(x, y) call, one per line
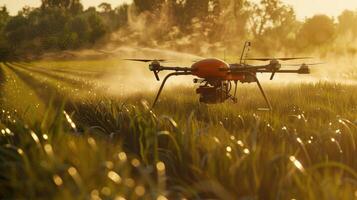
point(282, 59)
point(146, 60)
point(298, 65)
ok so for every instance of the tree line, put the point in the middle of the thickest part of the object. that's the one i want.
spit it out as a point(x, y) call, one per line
point(193, 25)
point(56, 25)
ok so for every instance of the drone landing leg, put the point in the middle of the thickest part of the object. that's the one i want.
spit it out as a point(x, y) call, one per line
point(164, 82)
point(262, 91)
point(235, 92)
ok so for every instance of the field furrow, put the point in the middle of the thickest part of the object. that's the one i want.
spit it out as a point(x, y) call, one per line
point(76, 72)
point(18, 96)
point(75, 82)
point(42, 87)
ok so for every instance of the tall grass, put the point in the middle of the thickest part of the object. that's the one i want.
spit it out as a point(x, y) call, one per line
point(113, 148)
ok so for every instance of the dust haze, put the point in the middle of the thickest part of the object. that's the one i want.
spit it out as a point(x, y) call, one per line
point(157, 35)
point(135, 77)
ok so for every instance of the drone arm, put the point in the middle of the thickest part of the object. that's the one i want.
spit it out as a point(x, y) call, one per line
point(164, 82)
point(287, 71)
point(238, 68)
point(157, 69)
point(177, 69)
point(265, 69)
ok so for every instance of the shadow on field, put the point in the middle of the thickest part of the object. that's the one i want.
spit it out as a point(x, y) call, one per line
point(43, 90)
point(70, 81)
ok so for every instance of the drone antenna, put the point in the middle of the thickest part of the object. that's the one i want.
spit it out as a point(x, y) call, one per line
point(247, 51)
point(244, 54)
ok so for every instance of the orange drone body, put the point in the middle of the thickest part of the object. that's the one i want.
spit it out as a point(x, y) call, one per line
point(215, 76)
point(214, 68)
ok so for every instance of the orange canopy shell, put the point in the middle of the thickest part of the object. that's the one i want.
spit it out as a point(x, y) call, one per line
point(210, 68)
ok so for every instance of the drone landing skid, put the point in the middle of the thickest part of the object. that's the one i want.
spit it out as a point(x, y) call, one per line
point(228, 97)
point(164, 82)
point(269, 108)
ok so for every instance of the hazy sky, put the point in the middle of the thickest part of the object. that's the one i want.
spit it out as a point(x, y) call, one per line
point(304, 8)
point(330, 7)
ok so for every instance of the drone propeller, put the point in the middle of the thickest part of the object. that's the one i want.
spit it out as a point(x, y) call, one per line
point(146, 60)
point(298, 65)
point(154, 65)
point(282, 59)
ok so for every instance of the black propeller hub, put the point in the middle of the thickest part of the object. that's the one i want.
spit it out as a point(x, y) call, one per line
point(304, 69)
point(155, 65)
point(274, 65)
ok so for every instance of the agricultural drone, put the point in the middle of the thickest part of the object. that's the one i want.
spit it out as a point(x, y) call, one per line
point(216, 76)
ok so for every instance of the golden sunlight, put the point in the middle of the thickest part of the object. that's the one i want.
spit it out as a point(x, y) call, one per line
point(307, 8)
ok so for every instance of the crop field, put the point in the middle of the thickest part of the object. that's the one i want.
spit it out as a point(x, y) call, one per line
point(75, 130)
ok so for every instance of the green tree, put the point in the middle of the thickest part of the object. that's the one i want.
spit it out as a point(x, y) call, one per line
point(97, 27)
point(74, 6)
point(233, 19)
point(49, 22)
point(272, 25)
point(121, 13)
point(26, 11)
point(80, 26)
point(16, 30)
point(91, 10)
point(56, 3)
point(186, 11)
point(270, 14)
point(145, 5)
point(196, 9)
point(109, 16)
point(316, 31)
point(105, 7)
point(4, 17)
point(347, 23)
point(5, 47)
